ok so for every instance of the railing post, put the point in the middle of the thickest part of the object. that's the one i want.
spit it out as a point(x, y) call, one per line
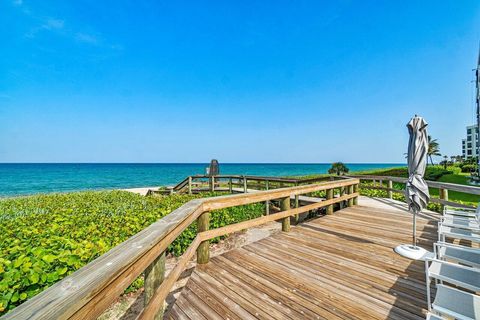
point(350, 191)
point(444, 196)
point(390, 187)
point(230, 187)
point(342, 193)
point(203, 251)
point(285, 205)
point(297, 202)
point(212, 183)
point(154, 276)
point(189, 185)
point(267, 203)
point(329, 195)
point(355, 190)
point(244, 184)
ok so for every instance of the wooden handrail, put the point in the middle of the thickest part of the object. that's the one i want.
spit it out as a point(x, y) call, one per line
point(86, 293)
point(194, 183)
point(442, 186)
point(433, 184)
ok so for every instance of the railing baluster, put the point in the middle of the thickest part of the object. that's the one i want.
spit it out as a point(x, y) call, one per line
point(154, 276)
point(203, 250)
point(443, 193)
point(329, 195)
point(285, 205)
point(212, 184)
point(350, 191)
point(342, 192)
point(355, 190)
point(297, 203)
point(390, 187)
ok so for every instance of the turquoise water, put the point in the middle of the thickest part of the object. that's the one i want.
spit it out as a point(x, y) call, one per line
point(24, 179)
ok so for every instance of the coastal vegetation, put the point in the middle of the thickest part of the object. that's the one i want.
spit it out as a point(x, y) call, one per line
point(338, 168)
point(44, 238)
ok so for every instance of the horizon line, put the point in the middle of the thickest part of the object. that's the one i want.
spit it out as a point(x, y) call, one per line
point(200, 162)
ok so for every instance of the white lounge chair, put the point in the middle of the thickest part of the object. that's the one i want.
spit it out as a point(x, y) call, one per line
point(445, 231)
point(432, 316)
point(460, 222)
point(463, 212)
point(456, 303)
point(456, 253)
point(465, 218)
point(458, 275)
point(450, 301)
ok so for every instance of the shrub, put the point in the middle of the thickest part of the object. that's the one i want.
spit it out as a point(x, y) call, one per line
point(431, 173)
point(435, 172)
point(469, 168)
point(44, 238)
point(338, 168)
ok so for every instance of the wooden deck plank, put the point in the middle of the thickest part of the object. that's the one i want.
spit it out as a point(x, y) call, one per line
point(279, 293)
point(211, 300)
point(346, 266)
point(245, 309)
point(224, 297)
point(347, 282)
point(352, 274)
point(332, 290)
point(340, 266)
point(250, 293)
point(176, 313)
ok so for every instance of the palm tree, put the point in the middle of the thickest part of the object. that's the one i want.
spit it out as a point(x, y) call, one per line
point(433, 148)
point(338, 168)
point(445, 162)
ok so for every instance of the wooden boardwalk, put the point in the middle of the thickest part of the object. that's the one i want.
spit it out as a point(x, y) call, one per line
point(340, 266)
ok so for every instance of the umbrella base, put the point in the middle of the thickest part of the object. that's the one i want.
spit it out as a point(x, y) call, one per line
point(412, 252)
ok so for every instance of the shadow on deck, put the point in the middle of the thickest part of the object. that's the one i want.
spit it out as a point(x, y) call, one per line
point(340, 266)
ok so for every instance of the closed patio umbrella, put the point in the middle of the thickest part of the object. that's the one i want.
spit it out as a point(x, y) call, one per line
point(416, 190)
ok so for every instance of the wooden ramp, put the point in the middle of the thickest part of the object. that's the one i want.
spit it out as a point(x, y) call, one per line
point(340, 266)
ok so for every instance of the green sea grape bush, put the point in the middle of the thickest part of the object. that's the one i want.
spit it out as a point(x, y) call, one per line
point(467, 168)
point(44, 238)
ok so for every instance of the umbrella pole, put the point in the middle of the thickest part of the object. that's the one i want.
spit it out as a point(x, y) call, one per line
point(414, 228)
point(412, 251)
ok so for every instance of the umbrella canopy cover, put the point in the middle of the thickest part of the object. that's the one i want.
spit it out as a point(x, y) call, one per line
point(416, 189)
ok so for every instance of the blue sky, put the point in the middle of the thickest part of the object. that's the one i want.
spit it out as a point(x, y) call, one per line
point(240, 81)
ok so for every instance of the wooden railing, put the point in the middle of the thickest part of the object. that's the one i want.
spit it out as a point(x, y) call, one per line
point(387, 183)
point(86, 293)
point(238, 183)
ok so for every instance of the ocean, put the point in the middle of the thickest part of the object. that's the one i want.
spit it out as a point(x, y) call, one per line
point(30, 178)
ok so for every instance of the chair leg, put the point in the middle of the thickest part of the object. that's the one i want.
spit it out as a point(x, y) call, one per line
point(427, 280)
